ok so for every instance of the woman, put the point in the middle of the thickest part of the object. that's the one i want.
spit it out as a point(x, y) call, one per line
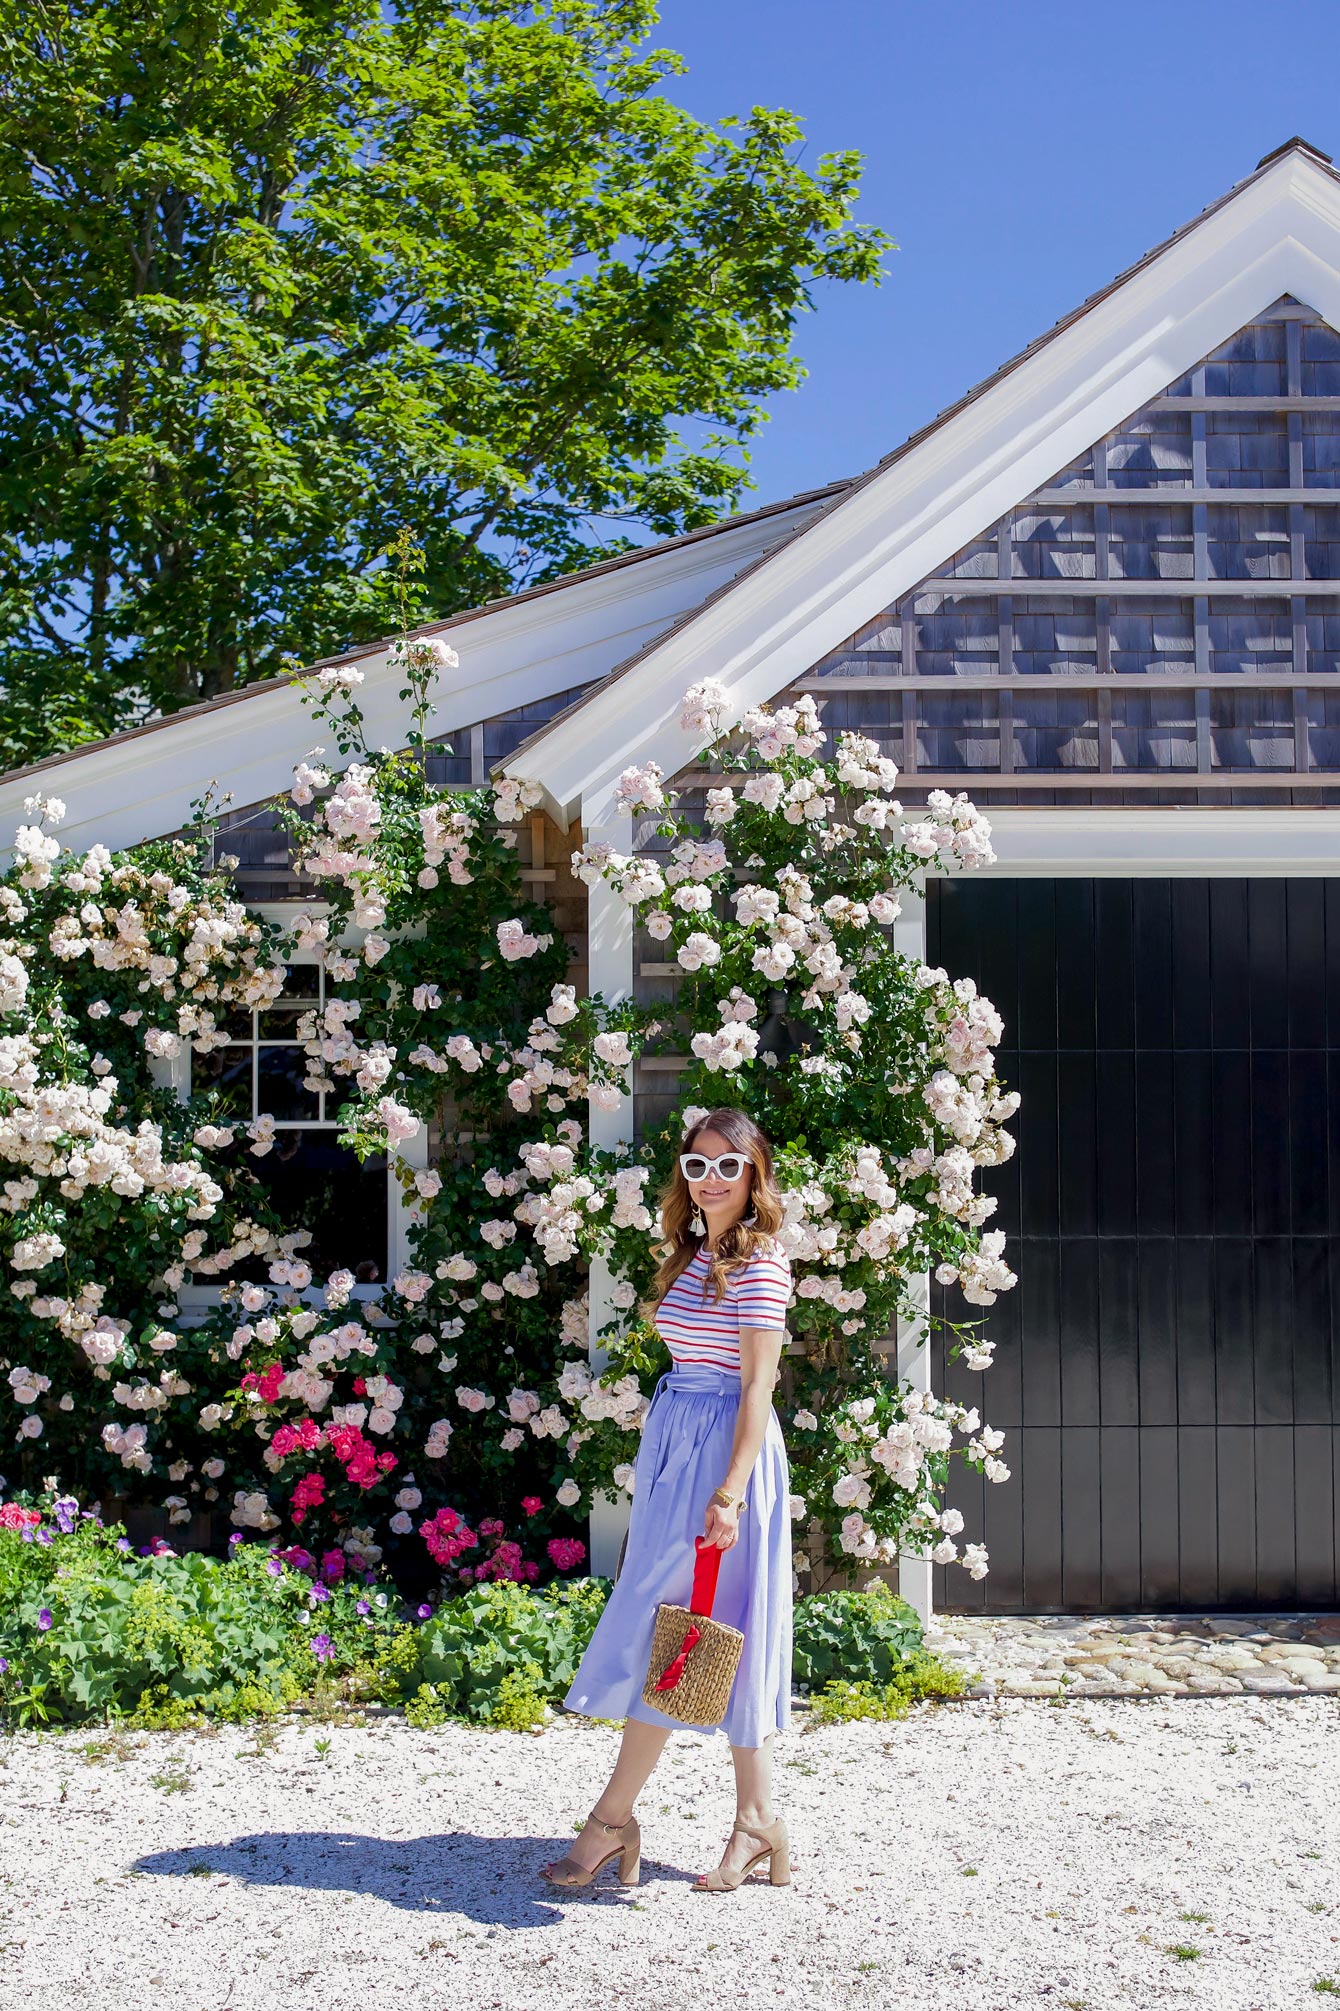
point(712, 1462)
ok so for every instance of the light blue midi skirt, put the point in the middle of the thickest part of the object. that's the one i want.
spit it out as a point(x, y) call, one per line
point(685, 1450)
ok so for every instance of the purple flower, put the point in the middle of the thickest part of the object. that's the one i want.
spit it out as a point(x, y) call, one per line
point(362, 1607)
point(44, 1618)
point(321, 1647)
point(236, 1537)
point(275, 1567)
point(45, 1536)
point(123, 1543)
point(319, 1592)
point(3, 1665)
point(66, 1511)
point(425, 1612)
point(27, 1532)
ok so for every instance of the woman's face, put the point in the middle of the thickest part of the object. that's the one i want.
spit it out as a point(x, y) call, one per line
point(727, 1198)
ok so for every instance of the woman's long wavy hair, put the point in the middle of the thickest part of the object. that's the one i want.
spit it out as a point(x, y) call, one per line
point(754, 1231)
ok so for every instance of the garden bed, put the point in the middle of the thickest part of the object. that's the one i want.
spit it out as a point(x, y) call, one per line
point(93, 1629)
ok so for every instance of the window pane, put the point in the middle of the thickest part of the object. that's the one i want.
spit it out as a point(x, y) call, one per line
point(316, 1184)
point(301, 982)
point(239, 1022)
point(280, 1022)
point(280, 1091)
point(226, 1071)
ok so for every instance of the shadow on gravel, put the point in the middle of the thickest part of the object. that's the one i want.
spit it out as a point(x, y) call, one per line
point(491, 1879)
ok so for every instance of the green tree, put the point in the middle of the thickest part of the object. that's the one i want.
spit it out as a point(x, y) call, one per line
point(277, 276)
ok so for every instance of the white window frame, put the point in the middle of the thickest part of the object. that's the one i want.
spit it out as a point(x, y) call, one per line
point(197, 1299)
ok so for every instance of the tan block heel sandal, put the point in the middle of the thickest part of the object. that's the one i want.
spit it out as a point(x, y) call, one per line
point(628, 1850)
point(776, 1848)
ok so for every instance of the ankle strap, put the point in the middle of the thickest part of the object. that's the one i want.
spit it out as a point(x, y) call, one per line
point(614, 1828)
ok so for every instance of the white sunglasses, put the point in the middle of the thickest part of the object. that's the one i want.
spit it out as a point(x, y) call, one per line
point(696, 1166)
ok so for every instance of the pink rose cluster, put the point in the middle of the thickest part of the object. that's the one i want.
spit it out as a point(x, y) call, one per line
point(309, 1493)
point(14, 1517)
point(362, 1463)
point(504, 1561)
point(305, 1435)
point(446, 1536)
point(266, 1386)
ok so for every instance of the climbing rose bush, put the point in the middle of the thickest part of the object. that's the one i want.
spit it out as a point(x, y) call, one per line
point(458, 1402)
point(112, 1192)
point(774, 890)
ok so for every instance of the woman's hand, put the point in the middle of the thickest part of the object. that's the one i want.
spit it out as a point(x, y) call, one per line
point(722, 1525)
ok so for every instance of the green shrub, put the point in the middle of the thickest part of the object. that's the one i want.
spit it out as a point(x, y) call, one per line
point(89, 1629)
point(852, 1637)
point(425, 1710)
point(520, 1706)
point(476, 1648)
point(921, 1676)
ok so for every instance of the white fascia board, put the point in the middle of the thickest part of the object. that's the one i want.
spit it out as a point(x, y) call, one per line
point(1280, 235)
point(1116, 841)
point(141, 786)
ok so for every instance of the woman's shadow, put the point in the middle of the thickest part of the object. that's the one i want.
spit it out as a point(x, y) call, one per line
point(491, 1879)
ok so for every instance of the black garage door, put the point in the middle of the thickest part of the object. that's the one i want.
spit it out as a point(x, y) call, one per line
point(1167, 1367)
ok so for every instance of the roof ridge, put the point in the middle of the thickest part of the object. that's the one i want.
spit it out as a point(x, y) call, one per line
point(941, 418)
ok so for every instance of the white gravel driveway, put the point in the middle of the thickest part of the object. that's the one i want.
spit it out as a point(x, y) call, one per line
point(983, 1855)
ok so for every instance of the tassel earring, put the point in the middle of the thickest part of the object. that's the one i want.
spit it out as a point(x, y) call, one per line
point(697, 1225)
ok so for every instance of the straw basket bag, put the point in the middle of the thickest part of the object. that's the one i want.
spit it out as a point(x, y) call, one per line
point(693, 1657)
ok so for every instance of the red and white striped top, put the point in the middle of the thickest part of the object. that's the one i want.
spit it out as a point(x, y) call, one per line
point(756, 1296)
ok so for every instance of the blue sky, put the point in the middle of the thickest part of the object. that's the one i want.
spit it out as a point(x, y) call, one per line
point(1021, 156)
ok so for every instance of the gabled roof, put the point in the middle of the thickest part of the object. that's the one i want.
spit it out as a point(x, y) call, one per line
point(1275, 232)
point(527, 647)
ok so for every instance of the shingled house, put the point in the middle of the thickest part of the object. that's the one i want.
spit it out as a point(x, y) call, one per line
point(1101, 594)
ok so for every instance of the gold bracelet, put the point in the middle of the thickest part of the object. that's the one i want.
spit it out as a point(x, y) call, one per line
point(723, 1498)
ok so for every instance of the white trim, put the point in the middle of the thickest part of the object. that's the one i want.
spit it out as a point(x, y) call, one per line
point(142, 786)
point(399, 1218)
point(610, 951)
point(1279, 234)
point(914, 1355)
point(1109, 840)
point(173, 1072)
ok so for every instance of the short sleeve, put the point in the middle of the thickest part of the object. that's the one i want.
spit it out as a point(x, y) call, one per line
point(765, 1287)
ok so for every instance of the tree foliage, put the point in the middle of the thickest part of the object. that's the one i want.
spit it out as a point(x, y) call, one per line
point(282, 273)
